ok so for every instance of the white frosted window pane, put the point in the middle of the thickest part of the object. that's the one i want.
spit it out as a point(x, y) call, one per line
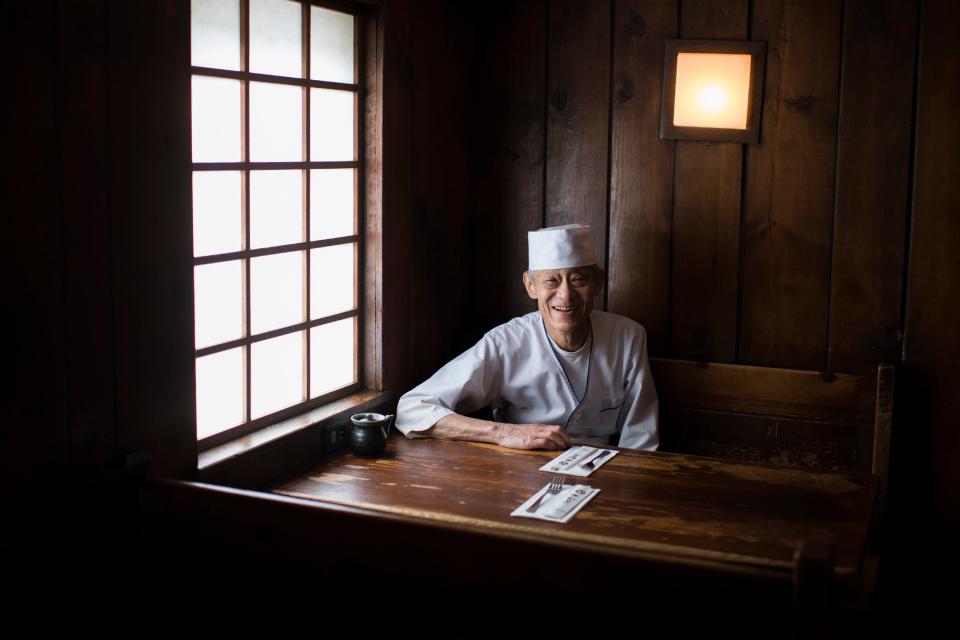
point(276, 208)
point(331, 45)
point(332, 204)
point(275, 123)
point(218, 302)
point(331, 125)
point(215, 33)
point(219, 392)
point(276, 291)
point(331, 280)
point(216, 119)
point(216, 212)
point(276, 374)
point(332, 361)
point(275, 37)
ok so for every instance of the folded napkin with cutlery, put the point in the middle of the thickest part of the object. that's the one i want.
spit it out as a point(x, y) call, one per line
point(579, 461)
point(560, 507)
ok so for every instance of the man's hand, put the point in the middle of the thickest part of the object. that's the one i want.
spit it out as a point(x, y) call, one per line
point(514, 436)
point(532, 436)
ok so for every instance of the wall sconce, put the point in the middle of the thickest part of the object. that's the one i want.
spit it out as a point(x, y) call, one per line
point(712, 90)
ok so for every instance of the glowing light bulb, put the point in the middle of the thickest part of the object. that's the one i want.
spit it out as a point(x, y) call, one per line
point(712, 98)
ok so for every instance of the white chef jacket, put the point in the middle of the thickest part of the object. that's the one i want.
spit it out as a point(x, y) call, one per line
point(514, 370)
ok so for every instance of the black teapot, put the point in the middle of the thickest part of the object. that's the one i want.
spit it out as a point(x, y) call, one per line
point(368, 436)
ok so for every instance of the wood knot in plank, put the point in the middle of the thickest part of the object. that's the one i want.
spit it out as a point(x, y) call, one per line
point(637, 26)
point(559, 100)
point(802, 103)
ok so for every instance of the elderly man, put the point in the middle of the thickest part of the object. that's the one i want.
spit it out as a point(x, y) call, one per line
point(560, 374)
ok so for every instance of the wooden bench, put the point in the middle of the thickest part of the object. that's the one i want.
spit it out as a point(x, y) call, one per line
point(810, 419)
point(824, 421)
point(294, 557)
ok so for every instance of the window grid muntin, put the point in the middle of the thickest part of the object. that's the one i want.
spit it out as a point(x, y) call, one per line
point(273, 79)
point(245, 166)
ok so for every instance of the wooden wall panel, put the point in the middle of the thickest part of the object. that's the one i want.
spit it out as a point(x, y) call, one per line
point(788, 213)
point(873, 153)
point(578, 89)
point(724, 252)
point(152, 245)
point(440, 116)
point(706, 216)
point(930, 441)
point(55, 445)
point(398, 229)
point(86, 219)
point(641, 182)
point(34, 440)
point(508, 159)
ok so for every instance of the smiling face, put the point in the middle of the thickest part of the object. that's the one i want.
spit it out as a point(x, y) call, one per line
point(565, 299)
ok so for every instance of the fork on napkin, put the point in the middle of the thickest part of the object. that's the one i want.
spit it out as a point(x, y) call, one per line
point(556, 486)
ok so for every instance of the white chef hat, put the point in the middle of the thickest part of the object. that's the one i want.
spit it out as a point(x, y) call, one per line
point(564, 247)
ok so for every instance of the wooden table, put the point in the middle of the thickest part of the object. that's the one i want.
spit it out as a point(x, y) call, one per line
point(676, 509)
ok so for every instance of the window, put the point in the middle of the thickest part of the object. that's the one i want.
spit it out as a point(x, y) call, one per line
point(276, 209)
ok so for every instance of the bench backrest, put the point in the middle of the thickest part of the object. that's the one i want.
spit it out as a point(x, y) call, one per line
point(826, 421)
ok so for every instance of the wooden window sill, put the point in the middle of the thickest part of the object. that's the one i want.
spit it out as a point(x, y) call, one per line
point(262, 455)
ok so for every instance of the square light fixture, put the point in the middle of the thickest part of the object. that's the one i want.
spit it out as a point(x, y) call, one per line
point(712, 90)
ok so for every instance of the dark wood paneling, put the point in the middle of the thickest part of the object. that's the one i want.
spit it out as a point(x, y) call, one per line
point(706, 216)
point(35, 439)
point(508, 163)
point(149, 177)
point(641, 183)
point(931, 440)
point(86, 221)
point(398, 230)
point(440, 116)
point(788, 213)
point(873, 157)
point(578, 89)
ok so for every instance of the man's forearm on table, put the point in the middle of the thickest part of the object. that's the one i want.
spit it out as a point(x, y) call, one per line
point(514, 436)
point(457, 427)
